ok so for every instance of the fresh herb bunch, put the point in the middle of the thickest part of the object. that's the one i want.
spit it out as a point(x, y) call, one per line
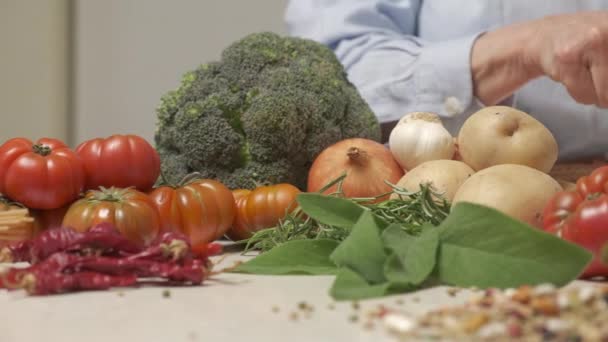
point(411, 210)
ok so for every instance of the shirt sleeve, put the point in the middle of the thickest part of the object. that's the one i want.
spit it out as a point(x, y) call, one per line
point(395, 71)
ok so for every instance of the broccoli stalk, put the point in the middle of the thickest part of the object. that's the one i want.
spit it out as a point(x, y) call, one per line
point(261, 114)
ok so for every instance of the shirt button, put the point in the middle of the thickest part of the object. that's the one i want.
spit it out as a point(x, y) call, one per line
point(453, 106)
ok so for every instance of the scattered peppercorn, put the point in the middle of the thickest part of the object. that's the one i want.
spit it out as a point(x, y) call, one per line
point(166, 294)
point(369, 325)
point(453, 291)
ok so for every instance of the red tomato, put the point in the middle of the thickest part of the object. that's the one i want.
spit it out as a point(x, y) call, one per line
point(581, 217)
point(132, 212)
point(49, 219)
point(596, 182)
point(202, 209)
point(44, 175)
point(121, 161)
point(261, 208)
point(240, 229)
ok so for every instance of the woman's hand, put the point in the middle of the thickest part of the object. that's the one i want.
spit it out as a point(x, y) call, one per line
point(571, 49)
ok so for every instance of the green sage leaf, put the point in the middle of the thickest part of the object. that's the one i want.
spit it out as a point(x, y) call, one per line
point(349, 285)
point(604, 254)
point(414, 257)
point(330, 210)
point(294, 257)
point(363, 250)
point(480, 246)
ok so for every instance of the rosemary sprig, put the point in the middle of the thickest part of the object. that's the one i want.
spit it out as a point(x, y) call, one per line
point(410, 209)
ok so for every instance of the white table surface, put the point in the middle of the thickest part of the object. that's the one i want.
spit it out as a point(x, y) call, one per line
point(231, 307)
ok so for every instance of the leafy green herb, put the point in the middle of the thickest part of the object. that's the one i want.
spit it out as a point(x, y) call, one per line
point(413, 210)
point(332, 216)
point(388, 249)
point(294, 257)
point(604, 254)
point(413, 258)
point(331, 211)
point(482, 247)
point(349, 285)
point(363, 250)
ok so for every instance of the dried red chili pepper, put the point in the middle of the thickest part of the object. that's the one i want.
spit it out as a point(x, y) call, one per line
point(102, 238)
point(41, 283)
point(47, 276)
point(192, 271)
point(167, 246)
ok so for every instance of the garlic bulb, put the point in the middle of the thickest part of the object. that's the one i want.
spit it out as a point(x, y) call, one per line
point(419, 137)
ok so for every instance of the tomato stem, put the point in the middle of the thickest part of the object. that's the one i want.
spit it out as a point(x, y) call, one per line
point(41, 149)
point(109, 195)
point(189, 178)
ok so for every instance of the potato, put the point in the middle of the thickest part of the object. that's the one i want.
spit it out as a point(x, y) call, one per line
point(446, 176)
point(504, 135)
point(566, 185)
point(516, 190)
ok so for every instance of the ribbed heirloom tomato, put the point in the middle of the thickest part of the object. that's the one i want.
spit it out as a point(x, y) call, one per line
point(261, 208)
point(132, 212)
point(41, 175)
point(120, 161)
point(202, 209)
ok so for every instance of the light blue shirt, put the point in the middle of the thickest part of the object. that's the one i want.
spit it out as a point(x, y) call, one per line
point(406, 56)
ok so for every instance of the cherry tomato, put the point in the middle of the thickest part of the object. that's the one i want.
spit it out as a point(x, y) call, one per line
point(202, 209)
point(132, 212)
point(41, 175)
point(261, 208)
point(119, 161)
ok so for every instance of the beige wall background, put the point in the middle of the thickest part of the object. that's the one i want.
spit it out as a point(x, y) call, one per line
point(85, 68)
point(34, 68)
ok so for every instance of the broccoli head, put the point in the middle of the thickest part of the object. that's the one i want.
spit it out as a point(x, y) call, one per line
point(261, 114)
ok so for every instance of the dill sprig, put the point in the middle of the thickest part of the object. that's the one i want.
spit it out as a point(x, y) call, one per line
point(410, 209)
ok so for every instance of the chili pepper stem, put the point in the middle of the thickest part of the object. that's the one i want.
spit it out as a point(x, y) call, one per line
point(10, 284)
point(177, 249)
point(223, 270)
point(6, 255)
point(28, 283)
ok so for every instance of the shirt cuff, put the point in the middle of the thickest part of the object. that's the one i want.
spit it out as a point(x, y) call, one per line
point(443, 80)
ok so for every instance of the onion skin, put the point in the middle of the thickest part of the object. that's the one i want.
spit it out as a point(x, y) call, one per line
point(367, 164)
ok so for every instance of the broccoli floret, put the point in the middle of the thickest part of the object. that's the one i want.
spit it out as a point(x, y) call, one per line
point(261, 114)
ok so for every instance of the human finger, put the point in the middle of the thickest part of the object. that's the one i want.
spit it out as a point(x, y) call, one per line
point(599, 74)
point(578, 80)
